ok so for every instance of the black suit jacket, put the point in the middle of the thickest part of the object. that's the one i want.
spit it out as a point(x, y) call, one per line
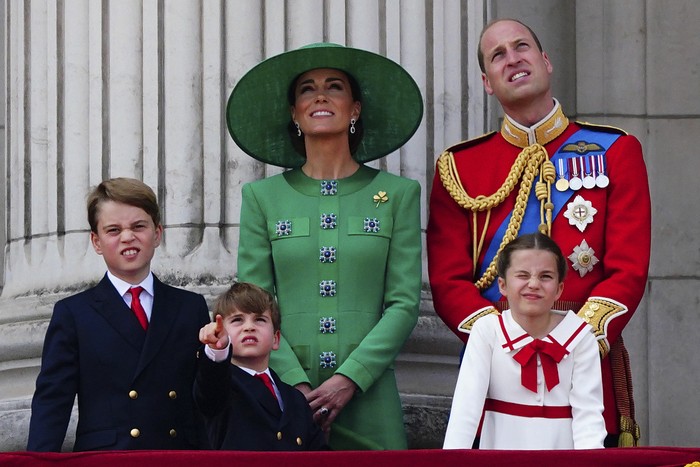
point(134, 388)
point(241, 413)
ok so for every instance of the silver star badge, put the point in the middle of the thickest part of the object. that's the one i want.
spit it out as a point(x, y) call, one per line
point(583, 258)
point(580, 213)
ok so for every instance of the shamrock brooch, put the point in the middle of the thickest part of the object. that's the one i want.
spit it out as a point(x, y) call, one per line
point(380, 197)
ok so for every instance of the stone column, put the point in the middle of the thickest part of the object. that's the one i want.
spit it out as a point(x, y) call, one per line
point(137, 88)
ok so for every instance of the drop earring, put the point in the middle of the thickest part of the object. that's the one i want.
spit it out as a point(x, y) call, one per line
point(352, 126)
point(298, 129)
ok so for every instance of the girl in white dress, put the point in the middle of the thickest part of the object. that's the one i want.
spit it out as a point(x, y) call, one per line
point(533, 372)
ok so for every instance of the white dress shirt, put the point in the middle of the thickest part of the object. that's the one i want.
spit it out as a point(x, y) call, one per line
point(146, 296)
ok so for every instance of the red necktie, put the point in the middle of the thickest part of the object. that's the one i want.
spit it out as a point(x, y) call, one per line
point(137, 308)
point(268, 382)
point(550, 355)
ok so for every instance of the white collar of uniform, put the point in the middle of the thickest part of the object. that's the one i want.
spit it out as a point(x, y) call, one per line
point(123, 287)
point(566, 333)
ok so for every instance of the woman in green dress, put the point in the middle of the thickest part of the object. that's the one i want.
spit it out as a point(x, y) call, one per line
point(337, 242)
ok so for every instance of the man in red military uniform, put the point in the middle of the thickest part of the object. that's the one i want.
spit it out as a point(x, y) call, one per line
point(584, 185)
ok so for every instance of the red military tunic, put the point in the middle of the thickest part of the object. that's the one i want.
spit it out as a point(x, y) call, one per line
point(608, 251)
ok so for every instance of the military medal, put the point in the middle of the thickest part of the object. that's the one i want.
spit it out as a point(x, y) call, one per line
point(575, 183)
point(562, 184)
point(580, 213)
point(583, 258)
point(601, 179)
point(589, 179)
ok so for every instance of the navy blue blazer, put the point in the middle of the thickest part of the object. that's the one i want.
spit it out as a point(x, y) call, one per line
point(241, 414)
point(134, 387)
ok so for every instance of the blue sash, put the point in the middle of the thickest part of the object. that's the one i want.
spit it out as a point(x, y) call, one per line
point(531, 218)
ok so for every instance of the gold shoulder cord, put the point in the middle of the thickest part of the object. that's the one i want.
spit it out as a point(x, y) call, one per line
point(530, 161)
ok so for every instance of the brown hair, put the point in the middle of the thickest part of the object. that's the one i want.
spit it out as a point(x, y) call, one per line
point(248, 298)
point(122, 190)
point(354, 139)
point(480, 53)
point(534, 241)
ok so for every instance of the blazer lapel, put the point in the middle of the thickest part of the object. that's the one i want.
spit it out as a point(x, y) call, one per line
point(164, 313)
point(258, 394)
point(113, 309)
point(285, 393)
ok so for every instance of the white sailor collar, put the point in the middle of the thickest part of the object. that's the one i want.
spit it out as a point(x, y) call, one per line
point(567, 333)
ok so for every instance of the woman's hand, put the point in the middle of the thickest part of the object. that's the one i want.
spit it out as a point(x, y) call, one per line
point(330, 398)
point(304, 388)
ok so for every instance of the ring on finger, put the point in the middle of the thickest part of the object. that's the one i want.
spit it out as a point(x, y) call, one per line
point(324, 411)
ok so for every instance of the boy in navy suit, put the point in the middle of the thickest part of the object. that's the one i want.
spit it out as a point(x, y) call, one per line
point(245, 404)
point(126, 347)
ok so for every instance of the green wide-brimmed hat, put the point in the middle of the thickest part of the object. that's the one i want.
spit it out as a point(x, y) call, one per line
point(258, 114)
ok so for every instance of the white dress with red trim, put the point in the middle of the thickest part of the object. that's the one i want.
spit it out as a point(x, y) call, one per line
point(534, 394)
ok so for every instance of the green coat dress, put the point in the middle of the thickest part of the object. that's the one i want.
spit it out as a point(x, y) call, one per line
point(344, 261)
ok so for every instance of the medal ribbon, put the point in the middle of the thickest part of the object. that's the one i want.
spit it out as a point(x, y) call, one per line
point(550, 355)
point(531, 218)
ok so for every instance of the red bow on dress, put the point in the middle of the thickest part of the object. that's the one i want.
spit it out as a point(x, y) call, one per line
point(550, 354)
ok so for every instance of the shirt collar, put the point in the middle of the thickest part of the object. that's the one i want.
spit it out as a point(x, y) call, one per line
point(123, 287)
point(253, 372)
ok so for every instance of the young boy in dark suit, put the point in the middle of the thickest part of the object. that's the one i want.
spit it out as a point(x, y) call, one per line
point(243, 409)
point(126, 347)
